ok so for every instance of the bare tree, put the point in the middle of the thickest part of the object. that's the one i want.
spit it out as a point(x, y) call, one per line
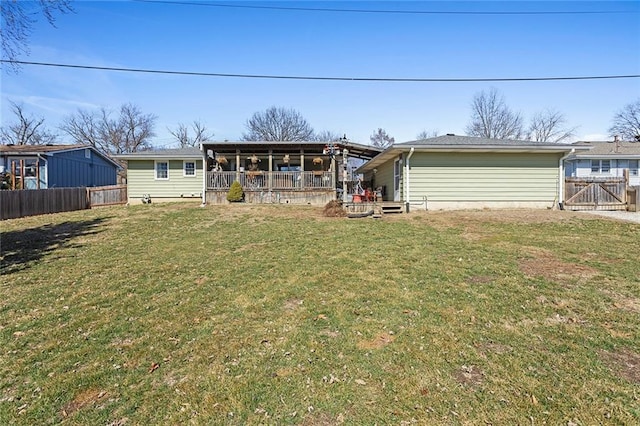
point(381, 139)
point(278, 124)
point(28, 130)
point(626, 122)
point(549, 126)
point(18, 18)
point(131, 131)
point(327, 136)
point(491, 118)
point(200, 134)
point(426, 134)
point(84, 128)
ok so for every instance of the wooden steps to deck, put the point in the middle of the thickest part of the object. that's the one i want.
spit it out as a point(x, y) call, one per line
point(391, 208)
point(378, 209)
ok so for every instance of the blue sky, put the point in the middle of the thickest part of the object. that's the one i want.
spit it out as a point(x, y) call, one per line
point(198, 38)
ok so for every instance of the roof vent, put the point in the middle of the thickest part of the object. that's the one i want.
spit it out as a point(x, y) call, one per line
point(450, 134)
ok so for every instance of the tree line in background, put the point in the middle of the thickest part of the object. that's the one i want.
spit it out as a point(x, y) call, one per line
point(130, 130)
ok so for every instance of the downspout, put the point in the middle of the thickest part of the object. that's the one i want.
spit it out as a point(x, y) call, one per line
point(561, 179)
point(204, 175)
point(46, 171)
point(406, 184)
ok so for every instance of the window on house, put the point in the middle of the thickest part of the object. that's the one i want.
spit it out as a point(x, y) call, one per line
point(600, 166)
point(189, 168)
point(30, 167)
point(87, 153)
point(633, 167)
point(162, 170)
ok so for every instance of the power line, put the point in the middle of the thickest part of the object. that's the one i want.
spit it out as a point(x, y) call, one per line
point(405, 12)
point(298, 77)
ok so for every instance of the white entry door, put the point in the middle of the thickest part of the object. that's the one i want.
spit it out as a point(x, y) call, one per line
point(397, 173)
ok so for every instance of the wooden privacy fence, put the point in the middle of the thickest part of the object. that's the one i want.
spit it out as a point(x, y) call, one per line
point(31, 202)
point(596, 193)
point(633, 193)
point(107, 195)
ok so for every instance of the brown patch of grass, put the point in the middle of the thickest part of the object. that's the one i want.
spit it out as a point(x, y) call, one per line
point(491, 347)
point(455, 218)
point(292, 304)
point(469, 376)
point(322, 419)
point(481, 279)
point(561, 319)
point(624, 362)
point(543, 263)
point(380, 341)
point(626, 303)
point(81, 400)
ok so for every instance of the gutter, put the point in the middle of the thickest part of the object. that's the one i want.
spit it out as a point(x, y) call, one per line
point(561, 178)
point(406, 185)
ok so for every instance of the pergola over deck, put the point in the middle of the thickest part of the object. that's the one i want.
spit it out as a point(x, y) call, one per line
point(286, 172)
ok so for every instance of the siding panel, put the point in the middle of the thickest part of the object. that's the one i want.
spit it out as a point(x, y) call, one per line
point(141, 180)
point(483, 177)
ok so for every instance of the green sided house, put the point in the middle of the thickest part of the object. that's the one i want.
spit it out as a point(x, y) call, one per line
point(164, 175)
point(462, 172)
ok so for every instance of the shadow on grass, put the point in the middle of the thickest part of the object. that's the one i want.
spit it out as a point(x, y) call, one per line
point(20, 248)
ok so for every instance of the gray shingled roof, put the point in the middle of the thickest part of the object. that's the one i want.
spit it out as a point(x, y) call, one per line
point(456, 140)
point(39, 149)
point(33, 150)
point(179, 153)
point(454, 143)
point(603, 149)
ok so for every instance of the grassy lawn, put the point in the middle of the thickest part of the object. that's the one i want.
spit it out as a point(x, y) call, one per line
point(176, 314)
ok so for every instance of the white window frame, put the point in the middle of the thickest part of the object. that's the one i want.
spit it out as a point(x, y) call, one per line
point(184, 168)
point(155, 169)
point(598, 167)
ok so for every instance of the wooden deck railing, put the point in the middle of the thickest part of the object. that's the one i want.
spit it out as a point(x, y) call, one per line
point(259, 181)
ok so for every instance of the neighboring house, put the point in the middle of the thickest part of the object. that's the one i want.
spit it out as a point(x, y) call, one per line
point(164, 175)
point(604, 160)
point(452, 171)
point(281, 172)
point(57, 166)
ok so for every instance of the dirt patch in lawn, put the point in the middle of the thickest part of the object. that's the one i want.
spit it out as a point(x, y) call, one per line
point(627, 303)
point(457, 217)
point(469, 376)
point(624, 362)
point(233, 211)
point(292, 304)
point(81, 400)
point(322, 419)
point(543, 263)
point(481, 279)
point(379, 341)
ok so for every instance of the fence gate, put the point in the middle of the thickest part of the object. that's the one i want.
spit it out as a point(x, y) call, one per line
point(595, 193)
